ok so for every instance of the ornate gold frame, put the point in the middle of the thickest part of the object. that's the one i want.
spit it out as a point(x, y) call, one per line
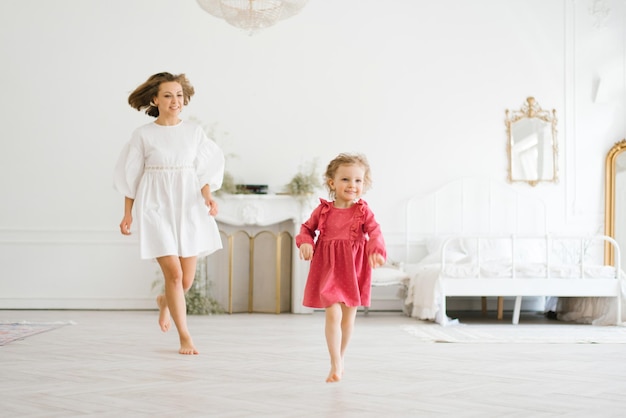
point(609, 198)
point(529, 110)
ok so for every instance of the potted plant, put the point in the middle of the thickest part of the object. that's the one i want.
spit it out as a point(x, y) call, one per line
point(198, 298)
point(305, 181)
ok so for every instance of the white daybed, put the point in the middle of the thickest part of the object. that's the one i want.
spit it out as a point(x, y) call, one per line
point(480, 238)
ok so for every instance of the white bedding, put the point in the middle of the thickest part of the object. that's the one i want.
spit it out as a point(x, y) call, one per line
point(423, 292)
point(592, 310)
point(423, 297)
point(423, 287)
point(498, 269)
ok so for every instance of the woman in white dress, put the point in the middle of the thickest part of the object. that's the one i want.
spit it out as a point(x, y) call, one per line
point(167, 173)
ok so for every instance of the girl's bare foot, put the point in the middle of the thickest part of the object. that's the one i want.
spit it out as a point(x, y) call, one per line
point(335, 375)
point(186, 346)
point(164, 314)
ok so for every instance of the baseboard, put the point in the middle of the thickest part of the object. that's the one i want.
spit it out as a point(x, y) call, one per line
point(78, 304)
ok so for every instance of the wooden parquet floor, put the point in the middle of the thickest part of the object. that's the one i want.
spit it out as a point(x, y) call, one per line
point(119, 364)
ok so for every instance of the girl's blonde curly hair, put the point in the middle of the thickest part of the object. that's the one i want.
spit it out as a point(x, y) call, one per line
point(347, 159)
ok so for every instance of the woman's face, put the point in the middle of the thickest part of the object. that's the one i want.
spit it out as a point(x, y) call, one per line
point(170, 99)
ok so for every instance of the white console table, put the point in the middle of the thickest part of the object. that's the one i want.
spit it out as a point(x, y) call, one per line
point(250, 211)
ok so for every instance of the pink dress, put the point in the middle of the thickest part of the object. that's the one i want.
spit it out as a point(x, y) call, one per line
point(340, 270)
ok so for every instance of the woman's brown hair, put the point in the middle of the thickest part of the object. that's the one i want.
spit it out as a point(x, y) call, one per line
point(142, 97)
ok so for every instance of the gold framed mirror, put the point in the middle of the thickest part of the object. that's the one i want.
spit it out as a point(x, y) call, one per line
point(532, 146)
point(615, 199)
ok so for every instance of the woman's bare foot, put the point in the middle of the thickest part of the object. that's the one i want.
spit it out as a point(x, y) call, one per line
point(187, 347)
point(164, 314)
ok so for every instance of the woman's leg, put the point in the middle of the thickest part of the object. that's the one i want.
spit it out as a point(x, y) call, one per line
point(164, 313)
point(174, 270)
point(189, 271)
point(334, 341)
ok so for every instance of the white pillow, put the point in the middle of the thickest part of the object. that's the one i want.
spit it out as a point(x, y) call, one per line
point(454, 250)
point(495, 249)
point(451, 257)
point(530, 251)
point(500, 249)
point(491, 249)
point(434, 244)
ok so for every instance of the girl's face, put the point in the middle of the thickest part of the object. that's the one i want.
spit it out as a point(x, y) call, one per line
point(170, 99)
point(347, 184)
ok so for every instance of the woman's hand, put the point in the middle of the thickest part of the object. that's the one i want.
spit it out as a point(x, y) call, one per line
point(125, 224)
point(208, 199)
point(128, 217)
point(376, 260)
point(212, 205)
point(306, 251)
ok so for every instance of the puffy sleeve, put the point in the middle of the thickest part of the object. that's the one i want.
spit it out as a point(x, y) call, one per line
point(376, 242)
point(209, 162)
point(314, 225)
point(129, 167)
point(308, 230)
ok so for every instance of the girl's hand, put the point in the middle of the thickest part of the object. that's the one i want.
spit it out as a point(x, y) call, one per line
point(306, 252)
point(125, 224)
point(212, 205)
point(376, 260)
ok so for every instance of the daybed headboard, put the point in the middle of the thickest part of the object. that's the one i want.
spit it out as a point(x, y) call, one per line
point(472, 206)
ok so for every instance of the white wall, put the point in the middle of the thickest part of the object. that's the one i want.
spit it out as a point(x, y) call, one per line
point(419, 86)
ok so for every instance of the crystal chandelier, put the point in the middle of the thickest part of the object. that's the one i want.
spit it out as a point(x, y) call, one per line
point(252, 15)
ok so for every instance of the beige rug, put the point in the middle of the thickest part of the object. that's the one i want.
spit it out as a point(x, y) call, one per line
point(15, 331)
point(553, 333)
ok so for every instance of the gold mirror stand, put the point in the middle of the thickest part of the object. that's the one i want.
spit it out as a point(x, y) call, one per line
point(609, 198)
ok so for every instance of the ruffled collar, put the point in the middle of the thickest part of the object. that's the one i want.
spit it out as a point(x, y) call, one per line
point(356, 227)
point(331, 203)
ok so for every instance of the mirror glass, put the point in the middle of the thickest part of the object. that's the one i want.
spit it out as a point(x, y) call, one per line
point(615, 200)
point(532, 146)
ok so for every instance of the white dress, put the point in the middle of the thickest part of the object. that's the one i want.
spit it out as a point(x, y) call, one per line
point(163, 169)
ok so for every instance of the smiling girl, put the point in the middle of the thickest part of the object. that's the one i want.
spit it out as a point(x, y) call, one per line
point(349, 245)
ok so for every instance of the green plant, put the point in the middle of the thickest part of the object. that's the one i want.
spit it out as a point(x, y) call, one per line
point(305, 182)
point(198, 299)
point(199, 302)
point(228, 184)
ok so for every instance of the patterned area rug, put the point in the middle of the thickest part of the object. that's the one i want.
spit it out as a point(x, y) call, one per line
point(508, 333)
point(13, 331)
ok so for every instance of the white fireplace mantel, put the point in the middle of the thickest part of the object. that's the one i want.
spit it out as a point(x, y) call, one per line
point(265, 210)
point(262, 210)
